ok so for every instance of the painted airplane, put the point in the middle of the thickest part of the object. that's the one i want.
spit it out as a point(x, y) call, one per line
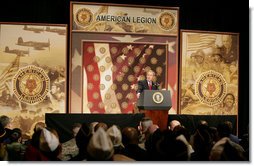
point(35, 30)
point(56, 30)
point(34, 44)
point(16, 51)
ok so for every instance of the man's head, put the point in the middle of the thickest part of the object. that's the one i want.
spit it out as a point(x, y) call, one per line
point(227, 41)
point(173, 124)
point(150, 75)
point(129, 136)
point(5, 121)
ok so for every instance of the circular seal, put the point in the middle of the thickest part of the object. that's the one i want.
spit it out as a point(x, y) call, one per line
point(211, 88)
point(158, 97)
point(84, 17)
point(31, 85)
point(167, 21)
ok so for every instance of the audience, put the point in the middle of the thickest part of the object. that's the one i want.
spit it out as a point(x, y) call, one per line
point(97, 142)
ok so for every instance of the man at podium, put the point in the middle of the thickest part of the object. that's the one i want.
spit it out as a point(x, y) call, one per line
point(148, 83)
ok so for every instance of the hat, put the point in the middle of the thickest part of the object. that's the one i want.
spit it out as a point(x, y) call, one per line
point(48, 141)
point(100, 146)
point(199, 53)
point(115, 135)
point(227, 150)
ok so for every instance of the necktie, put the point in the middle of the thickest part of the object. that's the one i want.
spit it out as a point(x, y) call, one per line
point(150, 85)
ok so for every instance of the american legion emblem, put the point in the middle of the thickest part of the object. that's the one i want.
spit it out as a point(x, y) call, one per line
point(211, 88)
point(167, 21)
point(84, 17)
point(31, 84)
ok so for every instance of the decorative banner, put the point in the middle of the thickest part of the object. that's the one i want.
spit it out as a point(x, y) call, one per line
point(124, 19)
point(111, 72)
point(32, 72)
point(209, 73)
point(155, 36)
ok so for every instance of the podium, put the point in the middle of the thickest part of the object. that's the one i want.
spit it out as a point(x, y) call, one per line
point(156, 104)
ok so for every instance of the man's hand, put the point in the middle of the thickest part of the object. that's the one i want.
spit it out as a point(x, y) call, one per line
point(138, 94)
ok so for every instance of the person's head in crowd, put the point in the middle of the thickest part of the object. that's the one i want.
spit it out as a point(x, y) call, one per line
point(130, 136)
point(214, 134)
point(171, 148)
point(203, 122)
point(3, 134)
point(82, 139)
point(202, 142)
point(230, 125)
point(223, 130)
point(100, 146)
point(5, 121)
point(92, 126)
point(153, 128)
point(75, 128)
point(181, 130)
point(16, 135)
point(49, 143)
point(144, 125)
point(101, 125)
point(173, 124)
point(115, 135)
point(39, 126)
point(226, 150)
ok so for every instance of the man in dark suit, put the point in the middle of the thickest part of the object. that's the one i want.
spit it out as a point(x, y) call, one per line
point(148, 83)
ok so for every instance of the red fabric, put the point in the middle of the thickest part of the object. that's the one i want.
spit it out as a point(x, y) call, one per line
point(33, 154)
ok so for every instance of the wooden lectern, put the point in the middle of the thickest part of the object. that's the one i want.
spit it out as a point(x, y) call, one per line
point(156, 104)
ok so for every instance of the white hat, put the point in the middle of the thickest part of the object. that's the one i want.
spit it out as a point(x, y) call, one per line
point(48, 141)
point(100, 146)
point(115, 135)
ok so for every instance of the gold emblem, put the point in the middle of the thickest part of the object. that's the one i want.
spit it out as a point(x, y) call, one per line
point(119, 96)
point(119, 60)
point(125, 50)
point(211, 88)
point(137, 51)
point(95, 95)
point(96, 77)
point(108, 59)
point(167, 21)
point(90, 68)
point(102, 68)
point(90, 49)
point(158, 97)
point(113, 87)
point(31, 85)
point(142, 60)
point(107, 77)
point(113, 68)
point(159, 52)
point(136, 69)
point(130, 60)
point(102, 50)
point(96, 59)
point(148, 51)
point(114, 50)
point(125, 87)
point(154, 61)
point(84, 17)
point(102, 86)
point(107, 96)
point(125, 69)
point(90, 86)
point(124, 105)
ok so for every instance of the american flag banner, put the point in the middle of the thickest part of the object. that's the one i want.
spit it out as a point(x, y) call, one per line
point(7, 75)
point(111, 71)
